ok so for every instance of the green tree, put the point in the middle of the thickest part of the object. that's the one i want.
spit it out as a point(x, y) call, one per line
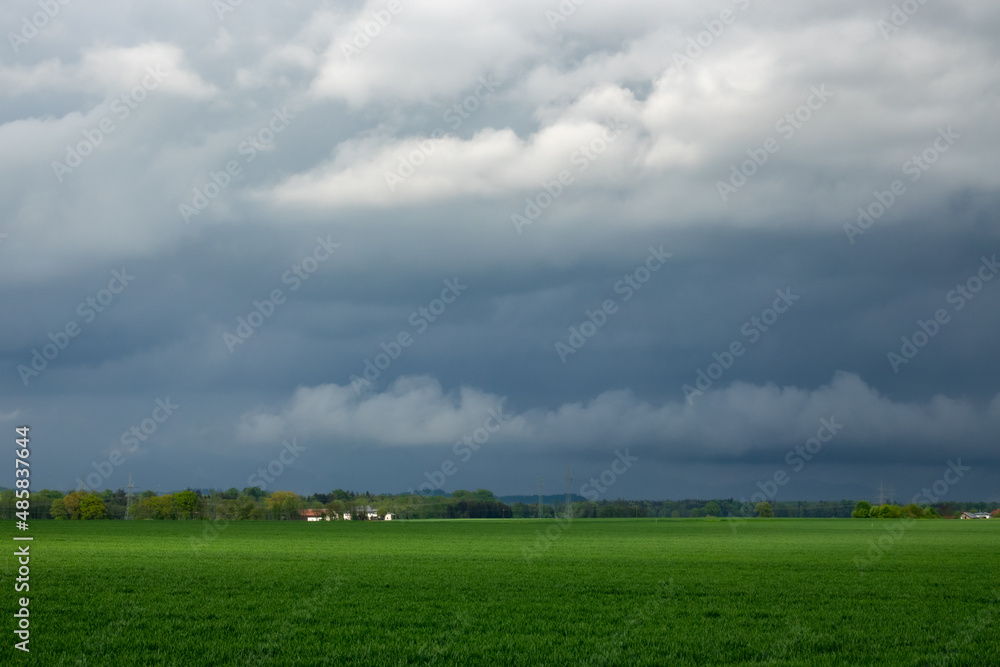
point(890, 512)
point(712, 508)
point(92, 507)
point(58, 509)
point(862, 510)
point(764, 509)
point(186, 503)
point(247, 509)
point(284, 504)
point(485, 495)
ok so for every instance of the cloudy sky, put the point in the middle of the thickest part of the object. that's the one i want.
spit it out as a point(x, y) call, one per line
point(389, 244)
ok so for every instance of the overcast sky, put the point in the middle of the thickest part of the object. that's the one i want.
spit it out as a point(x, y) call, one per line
point(385, 244)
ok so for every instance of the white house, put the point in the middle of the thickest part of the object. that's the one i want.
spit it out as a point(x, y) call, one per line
point(975, 515)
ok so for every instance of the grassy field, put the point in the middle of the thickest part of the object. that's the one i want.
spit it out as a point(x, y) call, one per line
point(626, 592)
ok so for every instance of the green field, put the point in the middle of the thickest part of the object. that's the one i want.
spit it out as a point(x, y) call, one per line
point(623, 592)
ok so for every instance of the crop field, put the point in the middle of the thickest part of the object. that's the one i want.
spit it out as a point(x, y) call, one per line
point(514, 592)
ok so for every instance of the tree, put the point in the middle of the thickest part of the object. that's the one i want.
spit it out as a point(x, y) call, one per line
point(764, 509)
point(92, 507)
point(186, 503)
point(712, 508)
point(284, 504)
point(246, 508)
point(862, 510)
point(58, 509)
point(485, 495)
point(72, 504)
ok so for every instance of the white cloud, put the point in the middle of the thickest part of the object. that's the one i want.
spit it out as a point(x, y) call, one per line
point(737, 420)
point(109, 72)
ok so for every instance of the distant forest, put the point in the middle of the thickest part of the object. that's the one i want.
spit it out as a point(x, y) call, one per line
point(254, 503)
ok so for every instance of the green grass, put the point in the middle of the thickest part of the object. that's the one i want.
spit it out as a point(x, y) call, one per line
point(623, 592)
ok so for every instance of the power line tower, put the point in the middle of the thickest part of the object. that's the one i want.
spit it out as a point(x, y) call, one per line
point(130, 493)
point(892, 496)
point(539, 497)
point(881, 494)
point(569, 492)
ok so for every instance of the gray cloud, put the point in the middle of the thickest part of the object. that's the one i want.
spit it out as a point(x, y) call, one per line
point(419, 153)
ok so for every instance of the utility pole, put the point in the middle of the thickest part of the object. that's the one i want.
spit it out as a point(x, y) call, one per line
point(128, 498)
point(539, 497)
point(569, 492)
point(881, 494)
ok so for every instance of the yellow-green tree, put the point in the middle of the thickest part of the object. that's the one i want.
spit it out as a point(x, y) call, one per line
point(186, 503)
point(284, 504)
point(92, 507)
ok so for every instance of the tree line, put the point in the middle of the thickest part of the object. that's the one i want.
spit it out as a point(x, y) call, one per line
point(256, 504)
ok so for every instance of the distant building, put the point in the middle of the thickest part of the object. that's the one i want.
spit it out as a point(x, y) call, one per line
point(324, 515)
point(975, 515)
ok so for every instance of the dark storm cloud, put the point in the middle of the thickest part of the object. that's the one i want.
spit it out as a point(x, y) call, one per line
point(537, 164)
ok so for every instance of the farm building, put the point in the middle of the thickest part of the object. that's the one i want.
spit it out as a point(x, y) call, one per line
point(324, 515)
point(975, 515)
